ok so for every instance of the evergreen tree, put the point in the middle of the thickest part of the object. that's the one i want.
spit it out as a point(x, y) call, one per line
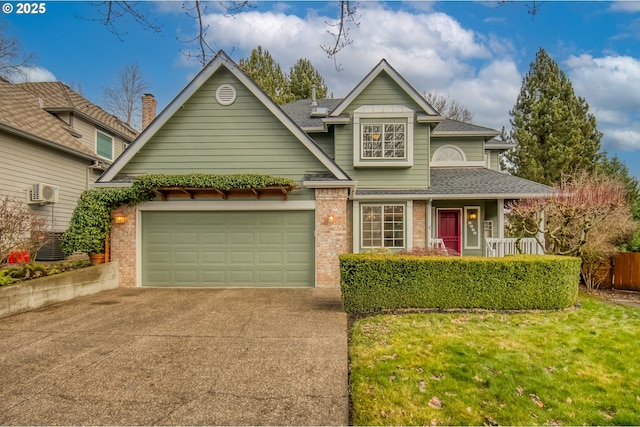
point(302, 76)
point(553, 131)
point(266, 72)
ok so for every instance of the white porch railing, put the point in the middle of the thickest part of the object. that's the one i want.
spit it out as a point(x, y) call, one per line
point(437, 243)
point(497, 247)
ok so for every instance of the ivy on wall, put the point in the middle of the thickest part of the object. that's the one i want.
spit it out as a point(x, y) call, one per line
point(91, 219)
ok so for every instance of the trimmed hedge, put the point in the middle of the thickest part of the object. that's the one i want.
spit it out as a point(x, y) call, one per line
point(373, 282)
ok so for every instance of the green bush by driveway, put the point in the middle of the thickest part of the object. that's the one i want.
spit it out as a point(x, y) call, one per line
point(374, 282)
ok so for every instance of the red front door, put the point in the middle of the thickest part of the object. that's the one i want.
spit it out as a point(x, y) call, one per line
point(449, 229)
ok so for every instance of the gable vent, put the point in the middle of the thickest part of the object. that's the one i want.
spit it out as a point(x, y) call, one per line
point(226, 95)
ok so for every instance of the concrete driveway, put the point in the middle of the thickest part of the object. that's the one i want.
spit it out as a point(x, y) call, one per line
point(178, 357)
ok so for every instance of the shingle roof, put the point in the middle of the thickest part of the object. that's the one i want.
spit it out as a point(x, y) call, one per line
point(57, 96)
point(300, 111)
point(20, 112)
point(470, 182)
point(450, 125)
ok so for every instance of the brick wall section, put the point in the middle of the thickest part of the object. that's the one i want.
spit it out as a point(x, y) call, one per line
point(332, 239)
point(123, 247)
point(419, 223)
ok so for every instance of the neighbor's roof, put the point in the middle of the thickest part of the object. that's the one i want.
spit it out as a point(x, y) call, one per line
point(58, 97)
point(463, 183)
point(22, 115)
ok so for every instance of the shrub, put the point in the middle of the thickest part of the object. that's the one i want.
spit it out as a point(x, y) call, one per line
point(21, 229)
point(430, 252)
point(386, 282)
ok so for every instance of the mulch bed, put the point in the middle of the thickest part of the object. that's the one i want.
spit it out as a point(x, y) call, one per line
point(631, 298)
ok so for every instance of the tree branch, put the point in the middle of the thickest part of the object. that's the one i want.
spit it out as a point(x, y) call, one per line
point(348, 16)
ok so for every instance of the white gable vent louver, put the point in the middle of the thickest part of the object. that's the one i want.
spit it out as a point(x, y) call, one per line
point(226, 95)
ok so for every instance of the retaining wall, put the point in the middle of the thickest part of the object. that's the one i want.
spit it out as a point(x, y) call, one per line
point(32, 294)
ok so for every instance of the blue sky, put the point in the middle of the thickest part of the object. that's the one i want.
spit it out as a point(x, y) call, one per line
point(475, 52)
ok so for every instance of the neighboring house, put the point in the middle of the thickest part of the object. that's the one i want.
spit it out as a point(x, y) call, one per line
point(377, 169)
point(54, 145)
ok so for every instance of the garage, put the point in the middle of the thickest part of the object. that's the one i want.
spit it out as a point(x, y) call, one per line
point(228, 249)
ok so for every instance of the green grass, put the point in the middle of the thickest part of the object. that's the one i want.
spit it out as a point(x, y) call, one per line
point(572, 367)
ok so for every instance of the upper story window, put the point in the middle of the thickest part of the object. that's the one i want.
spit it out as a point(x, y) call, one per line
point(104, 146)
point(383, 136)
point(384, 141)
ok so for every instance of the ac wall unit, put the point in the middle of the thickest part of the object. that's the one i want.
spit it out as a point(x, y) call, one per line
point(44, 193)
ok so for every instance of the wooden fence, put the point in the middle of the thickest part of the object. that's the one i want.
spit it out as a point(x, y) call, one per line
point(626, 271)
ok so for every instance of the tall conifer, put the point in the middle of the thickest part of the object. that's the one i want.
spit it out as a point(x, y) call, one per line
point(553, 131)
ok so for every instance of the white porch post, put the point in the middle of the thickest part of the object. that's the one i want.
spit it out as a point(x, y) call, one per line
point(540, 235)
point(428, 219)
point(501, 218)
point(356, 227)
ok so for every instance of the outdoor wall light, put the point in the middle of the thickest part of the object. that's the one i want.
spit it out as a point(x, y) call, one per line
point(119, 218)
point(473, 216)
point(331, 218)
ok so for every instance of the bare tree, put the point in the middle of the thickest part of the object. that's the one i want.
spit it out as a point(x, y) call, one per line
point(348, 16)
point(12, 58)
point(588, 217)
point(449, 108)
point(111, 11)
point(21, 229)
point(204, 51)
point(123, 98)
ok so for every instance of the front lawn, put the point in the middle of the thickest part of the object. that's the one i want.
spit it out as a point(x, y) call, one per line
point(573, 367)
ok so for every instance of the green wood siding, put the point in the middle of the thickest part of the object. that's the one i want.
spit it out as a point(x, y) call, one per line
point(228, 249)
point(495, 159)
point(325, 141)
point(384, 91)
point(206, 137)
point(472, 147)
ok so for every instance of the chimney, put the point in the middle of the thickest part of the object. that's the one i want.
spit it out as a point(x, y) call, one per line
point(314, 102)
point(148, 109)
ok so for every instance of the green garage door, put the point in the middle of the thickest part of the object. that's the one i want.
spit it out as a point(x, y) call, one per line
point(228, 249)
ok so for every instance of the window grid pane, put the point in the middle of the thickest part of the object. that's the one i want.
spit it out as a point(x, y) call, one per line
point(371, 226)
point(377, 144)
point(383, 226)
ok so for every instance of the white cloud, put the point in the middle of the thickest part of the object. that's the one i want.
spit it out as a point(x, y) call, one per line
point(607, 82)
point(429, 49)
point(490, 94)
point(623, 139)
point(625, 6)
point(611, 87)
point(32, 74)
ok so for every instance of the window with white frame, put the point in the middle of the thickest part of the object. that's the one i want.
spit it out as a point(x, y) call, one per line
point(383, 136)
point(383, 226)
point(104, 146)
point(384, 141)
